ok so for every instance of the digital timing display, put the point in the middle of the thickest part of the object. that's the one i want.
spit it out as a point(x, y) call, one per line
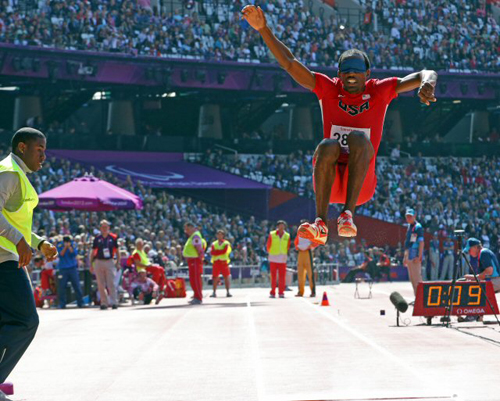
point(435, 298)
point(439, 295)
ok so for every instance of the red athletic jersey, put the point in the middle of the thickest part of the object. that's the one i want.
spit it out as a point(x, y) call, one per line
point(343, 112)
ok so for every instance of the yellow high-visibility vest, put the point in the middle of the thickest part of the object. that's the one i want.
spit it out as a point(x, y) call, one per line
point(279, 245)
point(22, 218)
point(144, 259)
point(220, 247)
point(189, 250)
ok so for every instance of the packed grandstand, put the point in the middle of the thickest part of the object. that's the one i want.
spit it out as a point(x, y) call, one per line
point(447, 192)
point(443, 191)
point(452, 35)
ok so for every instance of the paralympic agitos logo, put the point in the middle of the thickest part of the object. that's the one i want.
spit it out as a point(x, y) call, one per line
point(354, 110)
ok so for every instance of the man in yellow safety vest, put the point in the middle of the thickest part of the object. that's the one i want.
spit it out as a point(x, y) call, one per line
point(142, 262)
point(18, 316)
point(194, 253)
point(278, 244)
point(220, 251)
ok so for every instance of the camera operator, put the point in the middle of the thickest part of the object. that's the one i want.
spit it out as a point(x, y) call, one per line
point(368, 266)
point(68, 271)
point(384, 263)
point(484, 262)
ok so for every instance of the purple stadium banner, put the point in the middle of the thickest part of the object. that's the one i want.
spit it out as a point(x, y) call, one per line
point(158, 170)
point(175, 73)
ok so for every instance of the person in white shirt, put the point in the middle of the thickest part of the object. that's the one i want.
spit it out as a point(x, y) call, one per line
point(305, 266)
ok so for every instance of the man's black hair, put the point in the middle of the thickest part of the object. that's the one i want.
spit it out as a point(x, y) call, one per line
point(355, 52)
point(25, 135)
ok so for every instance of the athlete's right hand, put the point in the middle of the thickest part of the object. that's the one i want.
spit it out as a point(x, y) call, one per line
point(24, 252)
point(254, 16)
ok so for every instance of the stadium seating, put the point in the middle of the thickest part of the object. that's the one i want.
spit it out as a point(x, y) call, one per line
point(454, 36)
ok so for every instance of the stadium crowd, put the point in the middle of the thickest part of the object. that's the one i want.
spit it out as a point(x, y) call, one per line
point(447, 193)
point(410, 33)
point(160, 223)
point(459, 34)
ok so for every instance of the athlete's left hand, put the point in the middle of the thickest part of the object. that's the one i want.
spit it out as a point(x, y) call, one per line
point(426, 93)
point(49, 251)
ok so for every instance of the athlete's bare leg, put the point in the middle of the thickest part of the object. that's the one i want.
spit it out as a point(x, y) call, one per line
point(360, 153)
point(326, 155)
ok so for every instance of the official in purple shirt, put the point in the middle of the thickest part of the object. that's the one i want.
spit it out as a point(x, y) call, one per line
point(105, 248)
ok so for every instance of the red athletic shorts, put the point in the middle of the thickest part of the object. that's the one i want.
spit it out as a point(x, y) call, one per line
point(220, 267)
point(339, 188)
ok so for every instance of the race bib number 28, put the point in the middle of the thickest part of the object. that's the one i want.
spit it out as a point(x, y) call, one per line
point(341, 133)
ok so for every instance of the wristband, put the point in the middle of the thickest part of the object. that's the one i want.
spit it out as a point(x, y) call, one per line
point(40, 244)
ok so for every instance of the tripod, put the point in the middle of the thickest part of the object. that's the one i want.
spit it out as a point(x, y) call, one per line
point(456, 272)
point(483, 293)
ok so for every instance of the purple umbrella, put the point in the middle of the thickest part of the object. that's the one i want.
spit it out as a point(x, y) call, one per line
point(90, 194)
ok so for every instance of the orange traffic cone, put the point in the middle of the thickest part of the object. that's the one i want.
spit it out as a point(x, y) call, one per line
point(325, 302)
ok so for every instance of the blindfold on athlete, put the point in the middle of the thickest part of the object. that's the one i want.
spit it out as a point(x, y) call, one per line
point(353, 108)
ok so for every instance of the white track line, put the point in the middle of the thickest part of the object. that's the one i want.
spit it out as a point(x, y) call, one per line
point(254, 346)
point(368, 341)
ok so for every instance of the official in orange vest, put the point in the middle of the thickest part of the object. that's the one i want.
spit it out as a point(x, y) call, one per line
point(220, 251)
point(305, 265)
point(278, 244)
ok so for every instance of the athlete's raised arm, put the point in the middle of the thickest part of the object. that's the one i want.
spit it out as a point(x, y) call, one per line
point(300, 73)
point(425, 80)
